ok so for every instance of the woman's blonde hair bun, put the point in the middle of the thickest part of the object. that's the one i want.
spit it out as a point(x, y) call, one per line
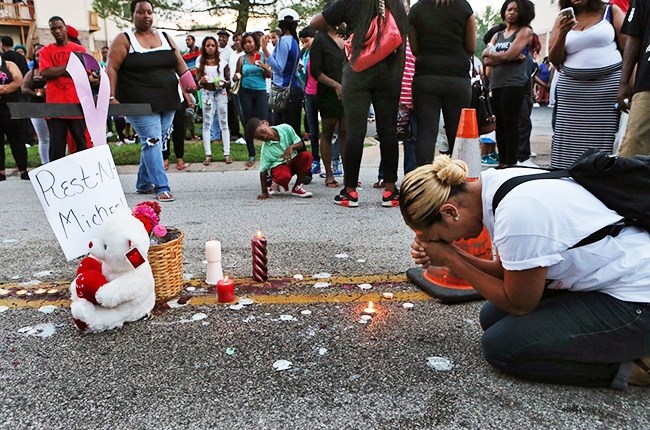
point(448, 171)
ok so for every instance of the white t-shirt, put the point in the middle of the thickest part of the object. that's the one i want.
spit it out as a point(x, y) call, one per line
point(212, 72)
point(225, 53)
point(538, 221)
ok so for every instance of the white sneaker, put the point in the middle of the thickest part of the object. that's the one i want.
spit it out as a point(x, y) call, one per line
point(535, 104)
point(240, 141)
point(129, 141)
point(275, 189)
point(527, 163)
point(299, 191)
point(533, 154)
point(109, 134)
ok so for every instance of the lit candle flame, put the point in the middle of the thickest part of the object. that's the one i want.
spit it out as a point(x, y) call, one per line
point(259, 233)
point(225, 278)
point(370, 310)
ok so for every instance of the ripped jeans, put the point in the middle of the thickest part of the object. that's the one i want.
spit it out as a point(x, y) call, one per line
point(153, 131)
point(215, 105)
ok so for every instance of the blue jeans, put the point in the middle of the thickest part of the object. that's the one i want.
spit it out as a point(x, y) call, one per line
point(311, 113)
point(153, 131)
point(573, 338)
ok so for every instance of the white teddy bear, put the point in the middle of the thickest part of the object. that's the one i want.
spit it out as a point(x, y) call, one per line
point(114, 284)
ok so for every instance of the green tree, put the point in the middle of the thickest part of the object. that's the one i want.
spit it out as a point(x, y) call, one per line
point(243, 10)
point(119, 9)
point(484, 21)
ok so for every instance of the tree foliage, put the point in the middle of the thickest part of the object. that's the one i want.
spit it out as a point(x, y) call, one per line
point(484, 21)
point(119, 9)
point(240, 10)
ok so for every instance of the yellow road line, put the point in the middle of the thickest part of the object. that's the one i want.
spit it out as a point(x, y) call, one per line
point(292, 299)
point(277, 295)
point(244, 282)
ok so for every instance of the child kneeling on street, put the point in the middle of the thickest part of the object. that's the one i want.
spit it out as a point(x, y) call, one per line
point(282, 155)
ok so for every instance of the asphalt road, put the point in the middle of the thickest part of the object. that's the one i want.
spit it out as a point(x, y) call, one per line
point(206, 366)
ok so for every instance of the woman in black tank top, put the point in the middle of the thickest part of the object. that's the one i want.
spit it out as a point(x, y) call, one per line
point(10, 82)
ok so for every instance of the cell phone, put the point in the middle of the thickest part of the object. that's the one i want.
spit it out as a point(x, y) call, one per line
point(568, 12)
point(258, 57)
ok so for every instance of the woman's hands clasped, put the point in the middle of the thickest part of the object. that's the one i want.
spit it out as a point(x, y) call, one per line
point(431, 253)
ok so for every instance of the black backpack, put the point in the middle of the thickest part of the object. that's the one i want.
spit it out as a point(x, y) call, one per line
point(622, 184)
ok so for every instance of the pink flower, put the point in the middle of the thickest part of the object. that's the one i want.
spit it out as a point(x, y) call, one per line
point(159, 230)
point(147, 212)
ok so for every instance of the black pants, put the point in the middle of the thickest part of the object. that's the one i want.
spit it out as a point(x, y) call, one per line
point(58, 135)
point(381, 85)
point(14, 130)
point(507, 108)
point(233, 119)
point(292, 114)
point(430, 95)
point(525, 129)
point(178, 134)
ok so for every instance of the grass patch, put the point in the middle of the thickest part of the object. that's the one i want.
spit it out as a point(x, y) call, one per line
point(130, 154)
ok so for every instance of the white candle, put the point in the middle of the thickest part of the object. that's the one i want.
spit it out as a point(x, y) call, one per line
point(370, 310)
point(213, 251)
point(214, 271)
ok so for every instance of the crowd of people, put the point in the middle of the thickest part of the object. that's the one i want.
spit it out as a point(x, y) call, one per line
point(556, 312)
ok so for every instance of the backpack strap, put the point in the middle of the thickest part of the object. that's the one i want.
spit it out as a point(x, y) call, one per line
point(507, 186)
point(511, 183)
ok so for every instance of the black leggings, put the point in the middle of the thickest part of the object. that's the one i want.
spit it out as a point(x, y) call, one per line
point(178, 134)
point(14, 130)
point(381, 85)
point(59, 134)
point(507, 108)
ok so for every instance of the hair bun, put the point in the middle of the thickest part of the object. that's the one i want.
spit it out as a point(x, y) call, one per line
point(448, 171)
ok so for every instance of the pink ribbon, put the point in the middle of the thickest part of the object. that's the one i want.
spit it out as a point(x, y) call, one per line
point(94, 114)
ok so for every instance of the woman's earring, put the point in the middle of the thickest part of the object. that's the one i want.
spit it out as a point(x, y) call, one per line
point(456, 218)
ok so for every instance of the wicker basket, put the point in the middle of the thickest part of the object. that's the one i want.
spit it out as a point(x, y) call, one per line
point(166, 260)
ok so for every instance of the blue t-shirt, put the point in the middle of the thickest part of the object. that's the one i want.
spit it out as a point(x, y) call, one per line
point(252, 76)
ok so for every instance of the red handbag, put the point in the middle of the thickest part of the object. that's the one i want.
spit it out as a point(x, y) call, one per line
point(382, 27)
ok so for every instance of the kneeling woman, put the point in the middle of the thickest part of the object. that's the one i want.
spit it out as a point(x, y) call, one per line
point(590, 326)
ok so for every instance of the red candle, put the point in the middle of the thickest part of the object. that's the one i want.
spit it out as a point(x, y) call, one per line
point(260, 269)
point(226, 290)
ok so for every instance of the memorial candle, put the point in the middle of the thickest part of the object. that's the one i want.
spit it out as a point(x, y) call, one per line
point(214, 271)
point(260, 269)
point(370, 310)
point(226, 290)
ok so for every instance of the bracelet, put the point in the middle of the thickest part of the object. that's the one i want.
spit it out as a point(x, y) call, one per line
point(111, 98)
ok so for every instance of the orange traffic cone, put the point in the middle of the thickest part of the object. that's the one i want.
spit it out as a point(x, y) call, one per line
point(439, 281)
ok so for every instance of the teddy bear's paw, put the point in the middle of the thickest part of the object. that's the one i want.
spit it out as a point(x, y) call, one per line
point(108, 299)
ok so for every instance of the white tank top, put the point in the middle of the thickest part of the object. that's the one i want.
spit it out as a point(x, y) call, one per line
point(594, 47)
point(136, 47)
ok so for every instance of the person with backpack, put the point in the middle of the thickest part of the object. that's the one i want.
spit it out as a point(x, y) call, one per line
point(558, 310)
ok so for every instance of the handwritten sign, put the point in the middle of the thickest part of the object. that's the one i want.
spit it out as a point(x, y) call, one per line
point(78, 193)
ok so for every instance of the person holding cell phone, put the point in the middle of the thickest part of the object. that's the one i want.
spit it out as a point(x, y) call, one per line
point(253, 71)
point(586, 47)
